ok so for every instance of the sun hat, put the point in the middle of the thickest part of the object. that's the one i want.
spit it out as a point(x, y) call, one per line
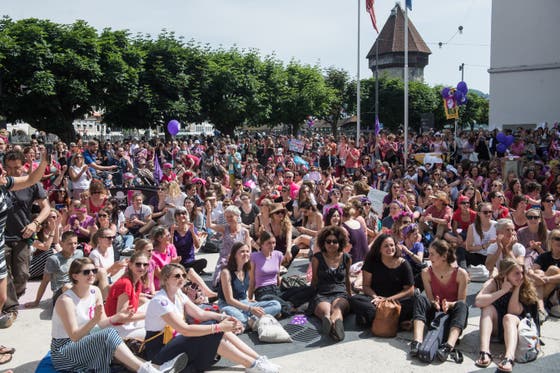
point(276, 207)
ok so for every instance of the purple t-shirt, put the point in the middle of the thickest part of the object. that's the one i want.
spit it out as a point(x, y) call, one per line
point(266, 270)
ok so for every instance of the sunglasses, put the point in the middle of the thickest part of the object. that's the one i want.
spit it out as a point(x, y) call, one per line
point(465, 203)
point(103, 215)
point(141, 265)
point(331, 242)
point(367, 203)
point(533, 217)
point(180, 275)
point(486, 212)
point(87, 272)
point(109, 237)
point(181, 213)
point(549, 200)
point(555, 238)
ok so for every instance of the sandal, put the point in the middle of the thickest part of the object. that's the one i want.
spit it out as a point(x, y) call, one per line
point(337, 331)
point(482, 362)
point(504, 362)
point(4, 360)
point(6, 350)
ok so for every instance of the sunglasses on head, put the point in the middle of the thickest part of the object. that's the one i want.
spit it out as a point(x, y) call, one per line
point(86, 272)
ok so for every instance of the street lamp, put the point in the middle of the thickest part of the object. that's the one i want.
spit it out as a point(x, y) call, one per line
point(462, 70)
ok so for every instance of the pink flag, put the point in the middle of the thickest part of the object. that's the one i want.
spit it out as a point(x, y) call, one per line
point(371, 11)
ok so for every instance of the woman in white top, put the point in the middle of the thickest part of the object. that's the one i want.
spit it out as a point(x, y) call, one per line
point(506, 245)
point(480, 235)
point(77, 312)
point(80, 175)
point(202, 342)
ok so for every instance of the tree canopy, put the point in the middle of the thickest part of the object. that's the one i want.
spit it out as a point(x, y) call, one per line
point(52, 74)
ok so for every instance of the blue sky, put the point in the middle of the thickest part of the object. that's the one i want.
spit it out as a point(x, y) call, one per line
point(310, 31)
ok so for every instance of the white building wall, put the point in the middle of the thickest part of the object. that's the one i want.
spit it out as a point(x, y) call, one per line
point(524, 62)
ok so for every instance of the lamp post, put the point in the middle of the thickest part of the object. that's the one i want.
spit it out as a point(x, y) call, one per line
point(462, 70)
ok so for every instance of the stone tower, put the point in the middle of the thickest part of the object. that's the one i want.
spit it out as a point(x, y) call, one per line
point(390, 50)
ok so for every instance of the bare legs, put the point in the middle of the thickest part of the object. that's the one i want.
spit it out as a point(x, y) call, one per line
point(488, 325)
point(234, 349)
point(194, 277)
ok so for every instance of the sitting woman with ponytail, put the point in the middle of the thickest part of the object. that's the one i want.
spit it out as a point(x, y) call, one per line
point(504, 300)
point(445, 291)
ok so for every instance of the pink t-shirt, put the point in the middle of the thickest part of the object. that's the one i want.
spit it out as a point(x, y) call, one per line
point(160, 259)
point(266, 269)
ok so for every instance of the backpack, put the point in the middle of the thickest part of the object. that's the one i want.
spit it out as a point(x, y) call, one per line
point(528, 342)
point(434, 338)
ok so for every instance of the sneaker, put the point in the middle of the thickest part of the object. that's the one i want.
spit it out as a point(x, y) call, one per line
point(265, 359)
point(7, 320)
point(543, 316)
point(414, 347)
point(261, 366)
point(127, 252)
point(444, 351)
point(175, 365)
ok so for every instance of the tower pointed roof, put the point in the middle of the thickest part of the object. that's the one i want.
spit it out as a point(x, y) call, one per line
point(391, 37)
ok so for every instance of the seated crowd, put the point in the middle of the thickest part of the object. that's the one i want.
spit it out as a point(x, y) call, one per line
point(117, 243)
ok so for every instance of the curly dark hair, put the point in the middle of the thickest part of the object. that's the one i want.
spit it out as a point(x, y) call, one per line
point(332, 230)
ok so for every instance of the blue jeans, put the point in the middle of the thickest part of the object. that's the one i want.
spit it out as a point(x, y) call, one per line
point(271, 307)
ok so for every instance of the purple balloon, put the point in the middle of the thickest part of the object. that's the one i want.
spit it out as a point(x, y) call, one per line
point(501, 137)
point(459, 96)
point(501, 148)
point(462, 86)
point(445, 92)
point(509, 140)
point(173, 127)
point(463, 100)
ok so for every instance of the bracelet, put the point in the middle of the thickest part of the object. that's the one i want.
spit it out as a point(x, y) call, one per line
point(36, 223)
point(217, 328)
point(212, 328)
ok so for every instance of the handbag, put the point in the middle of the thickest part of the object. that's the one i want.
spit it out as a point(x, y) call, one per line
point(168, 333)
point(434, 338)
point(386, 322)
point(528, 341)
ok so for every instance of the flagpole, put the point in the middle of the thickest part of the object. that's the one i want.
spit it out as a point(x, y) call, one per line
point(358, 107)
point(405, 152)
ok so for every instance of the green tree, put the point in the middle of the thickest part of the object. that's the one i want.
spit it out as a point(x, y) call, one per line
point(48, 72)
point(339, 82)
point(305, 94)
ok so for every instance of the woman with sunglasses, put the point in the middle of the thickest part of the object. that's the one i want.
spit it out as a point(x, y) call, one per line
point(280, 227)
point(506, 246)
point(480, 235)
point(124, 296)
point(331, 279)
point(76, 313)
point(201, 342)
point(312, 223)
point(534, 236)
point(504, 300)
point(550, 216)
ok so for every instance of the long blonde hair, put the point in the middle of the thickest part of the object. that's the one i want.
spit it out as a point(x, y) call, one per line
point(173, 189)
point(527, 292)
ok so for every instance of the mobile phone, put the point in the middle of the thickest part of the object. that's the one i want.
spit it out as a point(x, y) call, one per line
point(59, 206)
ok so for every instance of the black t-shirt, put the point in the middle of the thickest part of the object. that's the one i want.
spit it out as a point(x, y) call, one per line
point(386, 281)
point(546, 260)
point(19, 210)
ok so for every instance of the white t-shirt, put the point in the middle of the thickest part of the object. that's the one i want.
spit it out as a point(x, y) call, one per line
point(161, 305)
point(82, 182)
point(131, 212)
point(517, 249)
point(103, 261)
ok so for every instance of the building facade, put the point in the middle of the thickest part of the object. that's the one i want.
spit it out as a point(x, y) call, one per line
point(524, 63)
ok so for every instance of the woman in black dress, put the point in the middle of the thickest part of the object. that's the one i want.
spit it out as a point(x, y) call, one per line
point(331, 279)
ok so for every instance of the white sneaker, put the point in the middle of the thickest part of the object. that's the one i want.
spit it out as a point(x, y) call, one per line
point(147, 367)
point(265, 359)
point(176, 364)
point(261, 366)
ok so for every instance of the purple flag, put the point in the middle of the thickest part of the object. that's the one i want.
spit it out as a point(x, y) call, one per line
point(377, 129)
point(158, 174)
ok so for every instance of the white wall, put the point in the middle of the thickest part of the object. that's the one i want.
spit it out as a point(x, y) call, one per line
point(525, 62)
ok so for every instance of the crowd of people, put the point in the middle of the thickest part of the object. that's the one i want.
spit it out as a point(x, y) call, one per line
point(114, 228)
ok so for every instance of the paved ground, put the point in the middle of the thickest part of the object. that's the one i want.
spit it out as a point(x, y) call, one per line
point(30, 335)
